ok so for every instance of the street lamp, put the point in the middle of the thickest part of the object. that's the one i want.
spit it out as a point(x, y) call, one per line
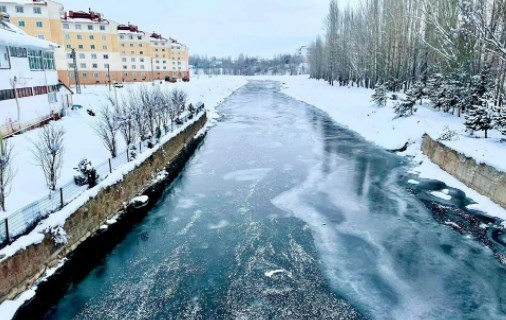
point(14, 81)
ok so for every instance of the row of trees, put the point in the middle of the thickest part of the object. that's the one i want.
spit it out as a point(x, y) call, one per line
point(143, 115)
point(285, 64)
point(452, 52)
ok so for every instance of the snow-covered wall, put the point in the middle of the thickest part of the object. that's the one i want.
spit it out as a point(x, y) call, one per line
point(483, 178)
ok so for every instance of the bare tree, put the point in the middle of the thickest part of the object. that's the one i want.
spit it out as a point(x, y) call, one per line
point(179, 99)
point(107, 128)
point(147, 100)
point(126, 124)
point(48, 152)
point(6, 171)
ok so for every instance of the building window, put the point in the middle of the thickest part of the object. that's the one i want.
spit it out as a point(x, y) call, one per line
point(48, 60)
point(79, 37)
point(141, 59)
point(121, 37)
point(21, 24)
point(125, 67)
point(123, 45)
point(123, 59)
point(82, 56)
point(104, 47)
point(71, 75)
point(106, 65)
point(3, 9)
point(142, 66)
point(102, 28)
point(68, 46)
point(131, 37)
point(141, 52)
point(93, 55)
point(85, 75)
point(6, 94)
point(80, 46)
point(18, 52)
point(67, 37)
point(24, 92)
point(95, 66)
point(71, 65)
point(139, 37)
point(37, 10)
point(92, 47)
point(95, 75)
point(90, 27)
point(52, 90)
point(5, 62)
point(92, 37)
point(78, 27)
point(134, 67)
point(104, 37)
point(83, 65)
point(140, 45)
point(35, 60)
point(131, 45)
point(39, 24)
point(66, 26)
point(19, 9)
point(37, 91)
point(106, 56)
point(133, 59)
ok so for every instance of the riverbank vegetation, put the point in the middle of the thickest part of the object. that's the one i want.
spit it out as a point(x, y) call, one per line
point(451, 53)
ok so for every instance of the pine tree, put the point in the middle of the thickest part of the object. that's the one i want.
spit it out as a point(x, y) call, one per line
point(500, 120)
point(479, 117)
point(419, 91)
point(435, 87)
point(380, 95)
point(406, 107)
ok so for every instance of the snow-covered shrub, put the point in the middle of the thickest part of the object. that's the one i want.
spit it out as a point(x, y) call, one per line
point(500, 120)
point(87, 175)
point(448, 134)
point(58, 235)
point(380, 95)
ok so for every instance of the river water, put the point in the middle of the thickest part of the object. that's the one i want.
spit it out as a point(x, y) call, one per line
point(283, 214)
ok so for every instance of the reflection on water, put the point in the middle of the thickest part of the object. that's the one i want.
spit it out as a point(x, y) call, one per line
point(282, 214)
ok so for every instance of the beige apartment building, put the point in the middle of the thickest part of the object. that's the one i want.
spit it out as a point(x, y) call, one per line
point(105, 50)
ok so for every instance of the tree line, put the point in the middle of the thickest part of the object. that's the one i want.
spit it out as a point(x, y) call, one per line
point(143, 115)
point(283, 64)
point(452, 52)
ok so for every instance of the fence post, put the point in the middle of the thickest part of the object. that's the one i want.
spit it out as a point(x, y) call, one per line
point(61, 198)
point(7, 236)
point(110, 166)
point(140, 147)
point(127, 152)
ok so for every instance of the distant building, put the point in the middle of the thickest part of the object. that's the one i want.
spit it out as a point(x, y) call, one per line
point(29, 87)
point(106, 51)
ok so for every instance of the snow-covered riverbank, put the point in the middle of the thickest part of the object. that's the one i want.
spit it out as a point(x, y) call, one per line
point(353, 108)
point(81, 141)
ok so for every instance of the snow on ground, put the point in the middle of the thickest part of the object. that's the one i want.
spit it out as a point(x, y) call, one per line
point(81, 140)
point(352, 108)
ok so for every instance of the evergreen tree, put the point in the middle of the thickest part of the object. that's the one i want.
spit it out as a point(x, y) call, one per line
point(500, 120)
point(479, 117)
point(380, 95)
point(418, 91)
point(406, 107)
point(435, 87)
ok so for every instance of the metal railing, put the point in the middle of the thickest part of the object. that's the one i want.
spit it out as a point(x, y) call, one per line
point(25, 219)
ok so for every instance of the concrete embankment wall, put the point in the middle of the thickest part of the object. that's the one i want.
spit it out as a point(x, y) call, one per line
point(480, 177)
point(26, 266)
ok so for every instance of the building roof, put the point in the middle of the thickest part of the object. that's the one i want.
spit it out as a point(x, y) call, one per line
point(14, 37)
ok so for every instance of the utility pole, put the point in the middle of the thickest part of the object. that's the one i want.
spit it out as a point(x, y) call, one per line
point(14, 81)
point(76, 73)
point(109, 76)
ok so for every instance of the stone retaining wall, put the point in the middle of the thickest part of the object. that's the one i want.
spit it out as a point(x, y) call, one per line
point(480, 177)
point(20, 271)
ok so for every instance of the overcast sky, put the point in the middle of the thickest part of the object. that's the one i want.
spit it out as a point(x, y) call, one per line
point(221, 27)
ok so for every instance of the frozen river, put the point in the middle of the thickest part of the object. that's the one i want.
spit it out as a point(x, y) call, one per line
point(283, 214)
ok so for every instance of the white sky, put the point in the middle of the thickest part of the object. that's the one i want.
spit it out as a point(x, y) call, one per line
point(221, 27)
